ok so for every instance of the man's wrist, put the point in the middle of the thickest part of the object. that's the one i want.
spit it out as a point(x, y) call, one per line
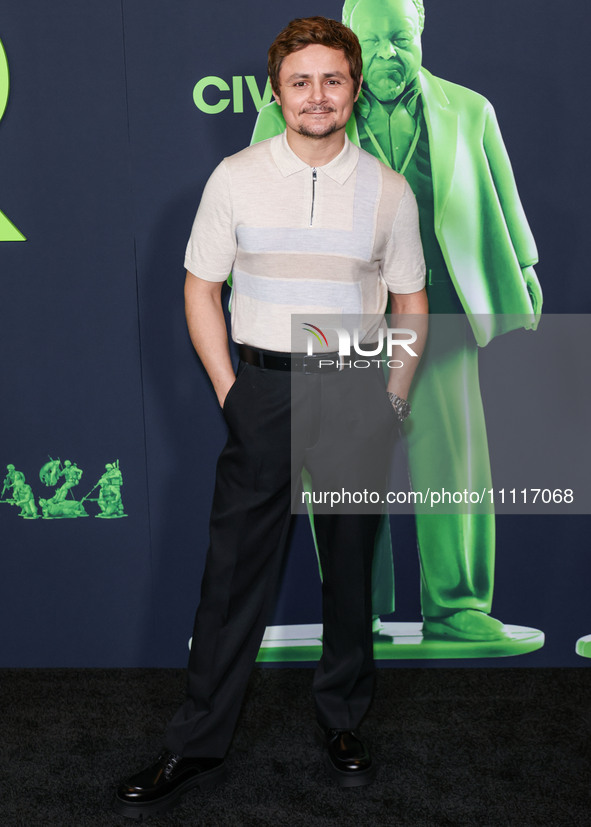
point(401, 406)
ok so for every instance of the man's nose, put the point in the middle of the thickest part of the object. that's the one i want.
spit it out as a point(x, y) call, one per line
point(386, 49)
point(317, 90)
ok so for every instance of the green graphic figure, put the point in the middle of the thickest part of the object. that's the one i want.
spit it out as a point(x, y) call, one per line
point(72, 475)
point(8, 232)
point(109, 498)
point(22, 495)
point(49, 473)
point(8, 480)
point(65, 508)
point(58, 505)
point(480, 254)
point(583, 646)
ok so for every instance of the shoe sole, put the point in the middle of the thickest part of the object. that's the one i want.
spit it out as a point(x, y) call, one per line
point(142, 810)
point(350, 779)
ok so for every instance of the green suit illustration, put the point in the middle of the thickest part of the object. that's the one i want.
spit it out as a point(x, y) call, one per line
point(480, 254)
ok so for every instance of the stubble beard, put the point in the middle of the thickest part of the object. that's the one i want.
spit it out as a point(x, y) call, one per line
point(330, 130)
point(324, 133)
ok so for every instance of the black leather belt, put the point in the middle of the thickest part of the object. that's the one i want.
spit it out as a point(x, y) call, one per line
point(300, 362)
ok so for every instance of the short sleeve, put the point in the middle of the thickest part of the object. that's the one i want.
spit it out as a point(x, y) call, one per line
point(403, 267)
point(211, 249)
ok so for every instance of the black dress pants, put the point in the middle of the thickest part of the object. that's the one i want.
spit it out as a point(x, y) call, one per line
point(249, 524)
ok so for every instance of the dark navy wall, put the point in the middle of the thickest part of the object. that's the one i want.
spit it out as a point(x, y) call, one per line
point(72, 591)
point(103, 157)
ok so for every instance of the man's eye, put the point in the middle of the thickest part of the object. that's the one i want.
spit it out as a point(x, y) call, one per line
point(402, 42)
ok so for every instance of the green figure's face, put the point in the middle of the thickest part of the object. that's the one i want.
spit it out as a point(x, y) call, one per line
point(388, 31)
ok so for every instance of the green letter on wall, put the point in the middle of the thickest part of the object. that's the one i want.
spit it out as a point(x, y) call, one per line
point(8, 232)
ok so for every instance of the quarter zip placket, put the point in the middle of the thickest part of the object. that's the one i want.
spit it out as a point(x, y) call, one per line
point(314, 179)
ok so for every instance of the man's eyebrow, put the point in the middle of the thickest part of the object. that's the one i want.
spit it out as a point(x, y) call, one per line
point(306, 75)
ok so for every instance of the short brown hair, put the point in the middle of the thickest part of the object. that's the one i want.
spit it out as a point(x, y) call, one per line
point(305, 31)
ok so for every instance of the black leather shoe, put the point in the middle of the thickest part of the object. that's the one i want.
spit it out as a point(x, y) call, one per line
point(159, 787)
point(347, 757)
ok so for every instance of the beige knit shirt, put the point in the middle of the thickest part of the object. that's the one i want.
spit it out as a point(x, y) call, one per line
point(312, 242)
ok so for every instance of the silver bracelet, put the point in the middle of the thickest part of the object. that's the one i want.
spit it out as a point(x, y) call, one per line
point(400, 405)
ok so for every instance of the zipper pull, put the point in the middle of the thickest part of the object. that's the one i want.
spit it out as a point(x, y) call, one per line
point(314, 179)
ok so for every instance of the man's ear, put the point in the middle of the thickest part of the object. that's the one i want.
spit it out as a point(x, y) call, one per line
point(277, 98)
point(359, 87)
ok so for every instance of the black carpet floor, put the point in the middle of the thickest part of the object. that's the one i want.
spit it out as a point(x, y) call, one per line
point(455, 747)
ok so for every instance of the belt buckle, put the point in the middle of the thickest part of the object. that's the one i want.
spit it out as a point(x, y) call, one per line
point(313, 362)
point(315, 366)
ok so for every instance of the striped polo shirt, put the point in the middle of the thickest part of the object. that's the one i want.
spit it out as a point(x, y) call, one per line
point(330, 240)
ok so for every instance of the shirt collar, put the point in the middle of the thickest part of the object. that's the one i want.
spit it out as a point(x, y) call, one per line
point(339, 169)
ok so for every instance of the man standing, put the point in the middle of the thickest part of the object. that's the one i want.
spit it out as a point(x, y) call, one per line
point(308, 223)
point(480, 254)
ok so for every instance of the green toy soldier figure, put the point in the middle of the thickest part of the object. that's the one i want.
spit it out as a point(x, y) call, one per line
point(22, 494)
point(8, 480)
point(58, 506)
point(72, 476)
point(109, 498)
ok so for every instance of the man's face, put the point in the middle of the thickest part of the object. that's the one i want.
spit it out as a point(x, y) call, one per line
point(388, 31)
point(316, 91)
